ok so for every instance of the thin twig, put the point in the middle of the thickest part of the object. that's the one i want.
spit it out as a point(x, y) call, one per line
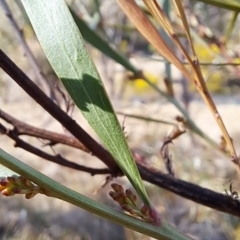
point(55, 138)
point(196, 78)
point(191, 191)
point(43, 100)
point(203, 90)
point(19, 33)
point(187, 190)
point(167, 159)
point(146, 118)
point(205, 33)
point(53, 158)
point(160, 59)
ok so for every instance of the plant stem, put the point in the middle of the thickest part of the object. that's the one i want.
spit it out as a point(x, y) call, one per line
point(164, 232)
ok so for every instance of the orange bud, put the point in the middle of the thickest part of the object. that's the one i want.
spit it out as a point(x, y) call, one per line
point(8, 192)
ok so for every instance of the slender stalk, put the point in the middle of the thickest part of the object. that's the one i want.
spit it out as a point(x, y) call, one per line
point(203, 90)
point(164, 232)
point(41, 79)
point(42, 99)
point(147, 119)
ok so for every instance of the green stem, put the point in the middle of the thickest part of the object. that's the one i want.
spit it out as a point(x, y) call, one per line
point(164, 232)
point(230, 27)
point(147, 119)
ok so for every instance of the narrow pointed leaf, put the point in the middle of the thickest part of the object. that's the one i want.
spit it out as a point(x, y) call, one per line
point(95, 40)
point(165, 232)
point(64, 47)
point(227, 4)
point(231, 26)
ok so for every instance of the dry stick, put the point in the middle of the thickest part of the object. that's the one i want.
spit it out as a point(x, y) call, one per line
point(147, 29)
point(55, 159)
point(200, 83)
point(190, 191)
point(40, 75)
point(196, 193)
point(55, 138)
point(21, 128)
point(203, 33)
point(160, 59)
point(42, 99)
point(202, 88)
point(159, 14)
point(187, 190)
point(140, 20)
point(167, 158)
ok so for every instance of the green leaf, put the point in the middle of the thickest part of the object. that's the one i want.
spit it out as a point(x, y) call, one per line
point(227, 4)
point(90, 36)
point(230, 27)
point(164, 232)
point(96, 41)
point(66, 52)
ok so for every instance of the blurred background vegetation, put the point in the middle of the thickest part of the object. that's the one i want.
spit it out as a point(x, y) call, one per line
point(216, 37)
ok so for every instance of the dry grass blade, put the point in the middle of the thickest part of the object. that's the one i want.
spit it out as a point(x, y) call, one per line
point(144, 25)
point(182, 14)
point(202, 88)
point(230, 27)
point(161, 17)
point(147, 29)
point(158, 13)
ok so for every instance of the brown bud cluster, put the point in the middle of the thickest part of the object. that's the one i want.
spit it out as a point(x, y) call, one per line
point(10, 186)
point(128, 201)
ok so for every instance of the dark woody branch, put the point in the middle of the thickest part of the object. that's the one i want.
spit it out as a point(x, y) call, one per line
point(53, 158)
point(187, 190)
point(22, 128)
point(191, 191)
point(43, 100)
point(19, 33)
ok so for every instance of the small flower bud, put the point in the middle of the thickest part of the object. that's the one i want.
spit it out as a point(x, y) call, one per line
point(145, 210)
point(3, 184)
point(12, 180)
point(118, 197)
point(135, 212)
point(113, 195)
point(8, 192)
point(126, 207)
point(131, 197)
point(117, 188)
point(147, 219)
